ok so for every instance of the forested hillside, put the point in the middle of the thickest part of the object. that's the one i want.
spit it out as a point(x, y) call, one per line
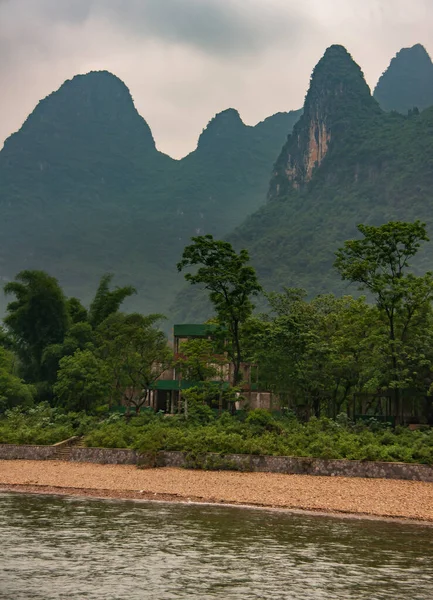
point(346, 163)
point(83, 189)
point(408, 81)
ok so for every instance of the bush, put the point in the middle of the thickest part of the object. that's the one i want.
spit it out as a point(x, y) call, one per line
point(42, 424)
point(263, 434)
point(262, 420)
point(259, 432)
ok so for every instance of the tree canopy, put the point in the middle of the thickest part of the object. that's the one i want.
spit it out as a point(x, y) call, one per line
point(36, 318)
point(231, 283)
point(136, 354)
point(106, 301)
point(379, 263)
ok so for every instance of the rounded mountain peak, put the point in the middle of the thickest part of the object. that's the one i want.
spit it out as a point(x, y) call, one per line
point(417, 49)
point(226, 124)
point(95, 87)
point(229, 116)
point(91, 111)
point(338, 92)
point(98, 96)
point(339, 74)
point(408, 81)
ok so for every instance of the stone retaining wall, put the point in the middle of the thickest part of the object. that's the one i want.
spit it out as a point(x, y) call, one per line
point(104, 456)
point(301, 466)
point(237, 462)
point(16, 452)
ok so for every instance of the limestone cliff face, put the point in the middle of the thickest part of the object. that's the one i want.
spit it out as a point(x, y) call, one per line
point(338, 95)
point(317, 147)
point(319, 138)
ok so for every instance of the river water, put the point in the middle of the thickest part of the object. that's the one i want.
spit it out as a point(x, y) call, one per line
point(53, 547)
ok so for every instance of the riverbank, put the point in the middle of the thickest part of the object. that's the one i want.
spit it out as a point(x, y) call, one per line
point(339, 495)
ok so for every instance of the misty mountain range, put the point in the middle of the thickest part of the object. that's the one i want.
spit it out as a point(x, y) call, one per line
point(84, 191)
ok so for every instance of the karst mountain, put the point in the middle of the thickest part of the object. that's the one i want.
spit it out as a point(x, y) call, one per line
point(84, 190)
point(346, 162)
point(408, 82)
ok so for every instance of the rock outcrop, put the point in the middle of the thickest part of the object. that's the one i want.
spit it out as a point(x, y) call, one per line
point(338, 94)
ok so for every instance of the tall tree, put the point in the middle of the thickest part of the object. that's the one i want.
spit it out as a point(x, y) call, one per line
point(77, 312)
point(314, 353)
point(292, 350)
point(135, 353)
point(13, 391)
point(379, 263)
point(231, 283)
point(83, 381)
point(78, 337)
point(106, 301)
point(37, 318)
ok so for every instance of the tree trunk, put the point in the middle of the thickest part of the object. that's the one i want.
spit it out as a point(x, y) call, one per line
point(316, 406)
point(238, 355)
point(397, 394)
point(397, 398)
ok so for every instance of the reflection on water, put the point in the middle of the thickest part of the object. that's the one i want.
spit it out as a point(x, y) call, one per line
point(54, 548)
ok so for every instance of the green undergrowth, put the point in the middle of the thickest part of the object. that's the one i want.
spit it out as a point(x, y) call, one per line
point(260, 433)
point(42, 425)
point(257, 432)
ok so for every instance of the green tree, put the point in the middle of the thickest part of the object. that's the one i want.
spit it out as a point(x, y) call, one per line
point(231, 283)
point(83, 382)
point(3, 337)
point(135, 353)
point(106, 301)
point(315, 353)
point(13, 390)
point(379, 263)
point(78, 337)
point(77, 312)
point(292, 351)
point(37, 318)
point(197, 360)
point(355, 335)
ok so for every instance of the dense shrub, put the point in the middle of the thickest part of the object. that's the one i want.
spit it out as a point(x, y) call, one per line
point(42, 425)
point(259, 432)
point(262, 433)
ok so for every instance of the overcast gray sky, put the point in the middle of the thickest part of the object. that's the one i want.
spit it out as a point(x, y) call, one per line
point(185, 60)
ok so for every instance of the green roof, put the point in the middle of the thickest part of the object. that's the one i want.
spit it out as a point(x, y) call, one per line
point(194, 330)
point(174, 384)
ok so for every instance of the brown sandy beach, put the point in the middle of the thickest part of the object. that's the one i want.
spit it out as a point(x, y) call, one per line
point(340, 495)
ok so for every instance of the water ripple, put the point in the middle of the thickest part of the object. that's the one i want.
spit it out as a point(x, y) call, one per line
point(60, 548)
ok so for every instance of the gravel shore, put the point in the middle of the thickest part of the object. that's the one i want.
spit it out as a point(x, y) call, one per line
point(340, 495)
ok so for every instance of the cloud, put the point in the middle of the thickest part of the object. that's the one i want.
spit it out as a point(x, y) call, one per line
point(215, 26)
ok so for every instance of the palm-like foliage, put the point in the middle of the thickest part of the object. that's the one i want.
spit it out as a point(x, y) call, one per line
point(36, 318)
point(106, 301)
